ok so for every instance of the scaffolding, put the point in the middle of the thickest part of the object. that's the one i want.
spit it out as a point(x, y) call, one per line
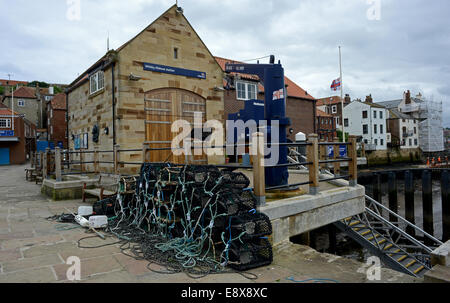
point(431, 132)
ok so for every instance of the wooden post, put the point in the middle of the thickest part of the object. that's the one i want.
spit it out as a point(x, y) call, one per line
point(353, 165)
point(323, 156)
point(58, 171)
point(96, 160)
point(427, 200)
point(376, 188)
point(259, 178)
point(81, 161)
point(116, 159)
point(45, 165)
point(445, 206)
point(363, 150)
point(146, 153)
point(337, 165)
point(393, 201)
point(409, 201)
point(312, 153)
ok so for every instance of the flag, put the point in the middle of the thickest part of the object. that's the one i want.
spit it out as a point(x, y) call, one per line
point(336, 85)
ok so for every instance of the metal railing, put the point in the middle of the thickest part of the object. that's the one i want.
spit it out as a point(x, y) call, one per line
point(60, 163)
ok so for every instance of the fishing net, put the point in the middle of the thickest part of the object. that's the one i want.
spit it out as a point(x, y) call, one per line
point(193, 219)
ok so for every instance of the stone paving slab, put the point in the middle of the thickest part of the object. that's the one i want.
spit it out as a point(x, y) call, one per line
point(33, 249)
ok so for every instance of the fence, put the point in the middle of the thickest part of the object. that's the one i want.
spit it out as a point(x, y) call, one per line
point(59, 163)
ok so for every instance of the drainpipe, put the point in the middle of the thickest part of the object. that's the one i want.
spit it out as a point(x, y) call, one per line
point(113, 105)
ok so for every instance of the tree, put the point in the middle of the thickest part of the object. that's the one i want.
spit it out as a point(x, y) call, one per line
point(339, 133)
point(2, 90)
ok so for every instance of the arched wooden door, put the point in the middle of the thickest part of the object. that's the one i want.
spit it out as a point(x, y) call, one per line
point(163, 107)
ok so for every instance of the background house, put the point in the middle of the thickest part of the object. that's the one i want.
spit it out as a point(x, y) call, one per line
point(367, 121)
point(333, 106)
point(57, 121)
point(326, 126)
point(429, 117)
point(16, 137)
point(404, 130)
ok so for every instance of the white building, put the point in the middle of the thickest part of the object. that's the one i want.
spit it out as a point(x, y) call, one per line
point(367, 121)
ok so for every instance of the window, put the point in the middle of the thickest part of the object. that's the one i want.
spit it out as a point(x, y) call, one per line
point(381, 129)
point(21, 103)
point(334, 109)
point(365, 141)
point(5, 123)
point(365, 129)
point(374, 114)
point(175, 53)
point(375, 128)
point(415, 131)
point(410, 142)
point(364, 114)
point(376, 141)
point(381, 115)
point(246, 91)
point(346, 122)
point(381, 142)
point(97, 81)
point(415, 142)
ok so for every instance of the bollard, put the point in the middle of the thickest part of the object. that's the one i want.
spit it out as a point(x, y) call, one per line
point(393, 200)
point(427, 200)
point(445, 206)
point(312, 153)
point(259, 179)
point(409, 201)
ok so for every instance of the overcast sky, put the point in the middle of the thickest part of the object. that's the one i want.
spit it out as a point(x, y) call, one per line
point(388, 46)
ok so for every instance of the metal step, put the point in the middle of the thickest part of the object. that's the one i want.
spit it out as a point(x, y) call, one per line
point(390, 253)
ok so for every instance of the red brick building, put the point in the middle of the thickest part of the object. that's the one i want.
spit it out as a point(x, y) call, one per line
point(326, 126)
point(333, 106)
point(16, 138)
point(57, 120)
point(300, 106)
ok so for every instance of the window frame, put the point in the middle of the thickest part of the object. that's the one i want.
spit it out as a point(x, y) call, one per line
point(7, 123)
point(246, 91)
point(366, 132)
point(96, 78)
point(334, 109)
point(365, 114)
point(21, 103)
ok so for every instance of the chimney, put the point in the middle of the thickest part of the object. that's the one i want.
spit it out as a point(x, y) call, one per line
point(347, 98)
point(369, 99)
point(408, 97)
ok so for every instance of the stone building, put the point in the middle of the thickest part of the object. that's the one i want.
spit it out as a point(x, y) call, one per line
point(133, 94)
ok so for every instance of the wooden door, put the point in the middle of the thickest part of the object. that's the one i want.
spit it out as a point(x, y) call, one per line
point(163, 107)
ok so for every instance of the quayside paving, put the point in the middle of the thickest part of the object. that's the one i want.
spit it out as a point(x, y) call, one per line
point(34, 249)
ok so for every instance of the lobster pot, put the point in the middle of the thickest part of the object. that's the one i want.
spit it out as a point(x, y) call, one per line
point(253, 225)
point(105, 207)
point(252, 254)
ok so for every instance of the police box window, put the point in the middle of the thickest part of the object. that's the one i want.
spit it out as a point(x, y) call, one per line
point(246, 90)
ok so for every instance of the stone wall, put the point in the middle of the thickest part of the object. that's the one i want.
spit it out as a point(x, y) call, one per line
point(384, 157)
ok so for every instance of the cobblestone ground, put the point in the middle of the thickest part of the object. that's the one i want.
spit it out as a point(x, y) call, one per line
point(33, 249)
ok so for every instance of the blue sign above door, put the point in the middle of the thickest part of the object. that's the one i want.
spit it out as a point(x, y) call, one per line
point(6, 133)
point(174, 71)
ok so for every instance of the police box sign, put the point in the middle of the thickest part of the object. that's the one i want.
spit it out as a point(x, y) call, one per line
point(174, 71)
point(6, 133)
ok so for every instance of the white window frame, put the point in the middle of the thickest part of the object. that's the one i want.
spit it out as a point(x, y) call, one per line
point(7, 123)
point(243, 88)
point(97, 82)
point(334, 109)
point(21, 103)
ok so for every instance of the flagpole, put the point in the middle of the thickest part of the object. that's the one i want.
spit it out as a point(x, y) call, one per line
point(342, 97)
